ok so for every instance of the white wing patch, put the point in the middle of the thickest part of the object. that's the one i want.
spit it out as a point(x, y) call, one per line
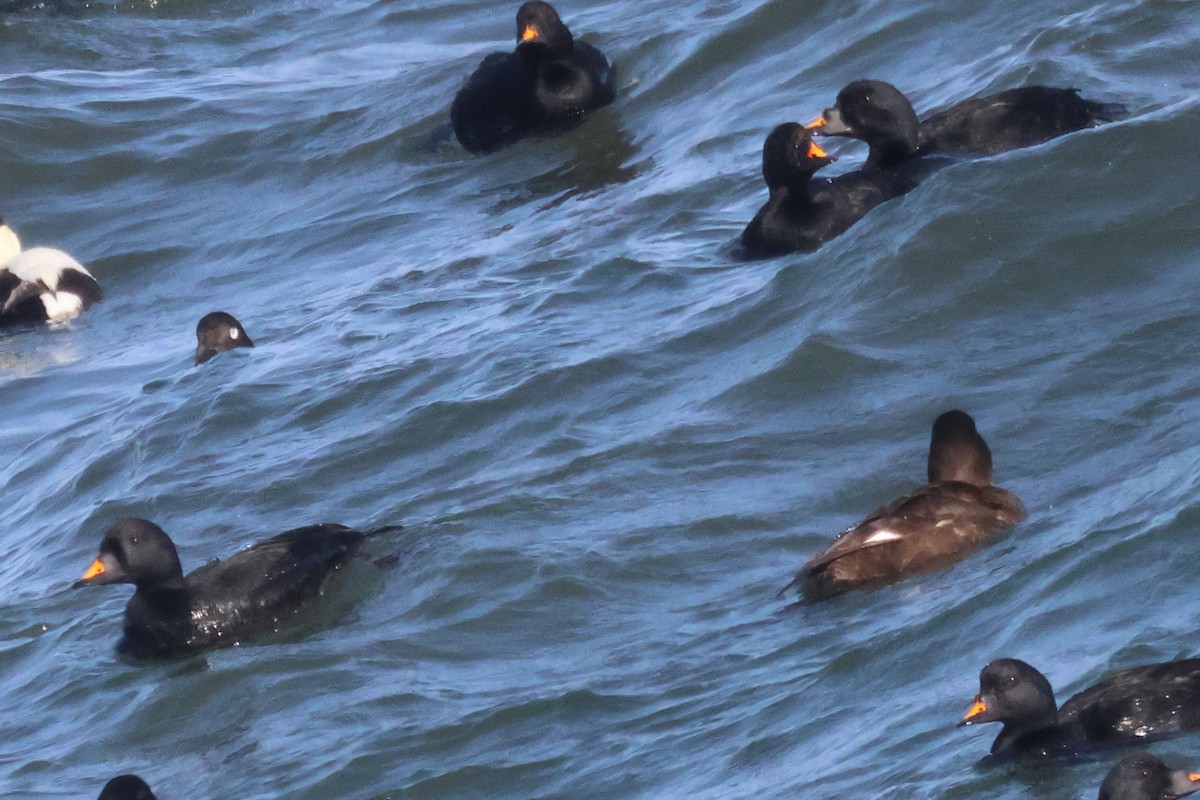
point(882, 536)
point(233, 334)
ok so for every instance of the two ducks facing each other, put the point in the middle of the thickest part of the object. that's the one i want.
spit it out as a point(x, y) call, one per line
point(803, 212)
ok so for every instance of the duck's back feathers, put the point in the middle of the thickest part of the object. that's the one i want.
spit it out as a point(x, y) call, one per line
point(44, 285)
point(1012, 119)
point(1146, 702)
point(933, 527)
point(247, 594)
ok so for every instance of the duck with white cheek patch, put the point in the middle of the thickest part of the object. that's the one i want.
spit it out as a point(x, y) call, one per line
point(217, 332)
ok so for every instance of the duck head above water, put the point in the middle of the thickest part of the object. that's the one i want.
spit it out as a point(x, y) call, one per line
point(139, 552)
point(541, 33)
point(877, 113)
point(957, 452)
point(217, 332)
point(126, 787)
point(791, 156)
point(1013, 692)
point(1142, 776)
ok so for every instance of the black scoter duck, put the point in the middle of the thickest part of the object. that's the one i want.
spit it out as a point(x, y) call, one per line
point(221, 603)
point(803, 212)
point(41, 284)
point(1142, 776)
point(1133, 706)
point(217, 332)
point(549, 80)
point(879, 114)
point(939, 524)
point(126, 787)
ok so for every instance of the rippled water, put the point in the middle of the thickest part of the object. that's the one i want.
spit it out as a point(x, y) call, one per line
point(610, 440)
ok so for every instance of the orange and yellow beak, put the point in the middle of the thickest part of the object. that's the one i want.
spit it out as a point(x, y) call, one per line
point(816, 123)
point(530, 33)
point(1194, 777)
point(977, 708)
point(97, 568)
point(815, 152)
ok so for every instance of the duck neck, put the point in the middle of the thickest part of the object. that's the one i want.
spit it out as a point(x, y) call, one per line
point(889, 152)
point(1031, 728)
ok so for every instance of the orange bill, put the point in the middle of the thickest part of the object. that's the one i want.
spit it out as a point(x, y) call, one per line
point(531, 32)
point(1194, 777)
point(815, 152)
point(816, 123)
point(977, 708)
point(97, 568)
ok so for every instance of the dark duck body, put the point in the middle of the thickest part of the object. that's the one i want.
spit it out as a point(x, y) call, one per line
point(939, 524)
point(218, 332)
point(879, 114)
point(803, 212)
point(126, 787)
point(1134, 706)
point(1142, 776)
point(549, 81)
point(221, 603)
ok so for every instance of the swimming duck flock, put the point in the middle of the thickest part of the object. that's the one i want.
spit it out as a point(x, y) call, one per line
point(944, 571)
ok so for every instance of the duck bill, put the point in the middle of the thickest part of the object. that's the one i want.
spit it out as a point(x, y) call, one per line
point(531, 34)
point(94, 571)
point(1183, 783)
point(830, 123)
point(978, 712)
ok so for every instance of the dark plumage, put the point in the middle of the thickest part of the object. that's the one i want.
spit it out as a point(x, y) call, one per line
point(1133, 706)
point(218, 332)
point(126, 787)
point(879, 114)
point(939, 524)
point(802, 212)
point(41, 284)
point(549, 80)
point(1142, 776)
point(223, 602)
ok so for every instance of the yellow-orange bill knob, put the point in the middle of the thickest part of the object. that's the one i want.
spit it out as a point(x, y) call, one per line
point(814, 151)
point(816, 123)
point(977, 708)
point(97, 568)
point(530, 32)
point(1194, 777)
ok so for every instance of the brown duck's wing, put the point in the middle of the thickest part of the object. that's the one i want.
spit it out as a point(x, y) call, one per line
point(935, 521)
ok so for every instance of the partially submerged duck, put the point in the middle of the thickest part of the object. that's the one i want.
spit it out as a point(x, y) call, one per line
point(1133, 706)
point(957, 512)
